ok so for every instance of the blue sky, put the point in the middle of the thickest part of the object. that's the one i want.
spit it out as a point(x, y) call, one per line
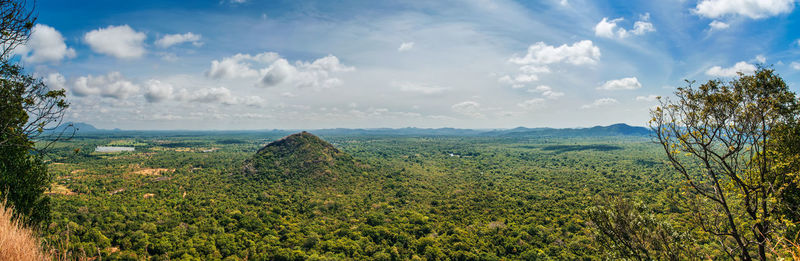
point(251, 64)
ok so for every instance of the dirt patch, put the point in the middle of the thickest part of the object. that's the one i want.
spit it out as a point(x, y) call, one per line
point(152, 171)
point(77, 171)
point(61, 190)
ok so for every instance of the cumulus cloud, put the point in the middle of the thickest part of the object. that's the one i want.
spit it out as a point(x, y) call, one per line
point(648, 98)
point(157, 91)
point(600, 102)
point(172, 39)
point(316, 74)
point(112, 85)
point(717, 25)
point(630, 83)
point(213, 95)
point(579, 53)
point(795, 65)
point(45, 44)
point(425, 89)
point(277, 73)
point(55, 81)
point(547, 92)
point(755, 9)
point(532, 104)
point(469, 108)
point(405, 46)
point(742, 67)
point(540, 55)
point(609, 29)
point(239, 65)
point(220, 95)
point(761, 58)
point(118, 41)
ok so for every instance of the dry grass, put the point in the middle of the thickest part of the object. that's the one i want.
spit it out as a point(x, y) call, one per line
point(61, 190)
point(16, 241)
point(152, 171)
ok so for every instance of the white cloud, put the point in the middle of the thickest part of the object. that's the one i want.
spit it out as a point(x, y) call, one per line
point(579, 53)
point(45, 44)
point(55, 81)
point(420, 88)
point(742, 67)
point(795, 65)
point(173, 39)
point(221, 95)
point(760, 58)
point(630, 83)
point(118, 41)
point(213, 95)
point(469, 108)
point(541, 55)
point(252, 101)
point(643, 26)
point(405, 46)
point(755, 9)
point(156, 91)
point(717, 25)
point(278, 72)
point(317, 74)
point(239, 65)
point(519, 80)
point(605, 28)
point(547, 92)
point(648, 98)
point(532, 104)
point(608, 28)
point(600, 102)
point(112, 85)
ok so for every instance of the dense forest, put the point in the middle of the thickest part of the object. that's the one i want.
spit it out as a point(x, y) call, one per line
point(381, 197)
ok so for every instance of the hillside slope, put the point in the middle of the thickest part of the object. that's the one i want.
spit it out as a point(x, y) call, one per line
point(300, 156)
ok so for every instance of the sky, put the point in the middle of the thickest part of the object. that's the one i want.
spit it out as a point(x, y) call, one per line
point(249, 64)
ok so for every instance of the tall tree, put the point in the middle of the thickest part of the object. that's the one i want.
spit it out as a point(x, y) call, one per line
point(719, 137)
point(28, 108)
point(630, 231)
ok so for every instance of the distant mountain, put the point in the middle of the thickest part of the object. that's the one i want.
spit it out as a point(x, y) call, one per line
point(78, 127)
point(302, 157)
point(400, 132)
point(619, 129)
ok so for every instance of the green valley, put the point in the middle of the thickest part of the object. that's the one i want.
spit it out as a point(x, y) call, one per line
point(366, 196)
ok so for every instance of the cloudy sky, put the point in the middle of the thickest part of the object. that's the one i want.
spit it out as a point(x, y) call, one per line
point(250, 64)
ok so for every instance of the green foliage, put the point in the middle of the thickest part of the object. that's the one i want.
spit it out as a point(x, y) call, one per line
point(628, 230)
point(26, 108)
point(387, 198)
point(732, 142)
point(300, 157)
